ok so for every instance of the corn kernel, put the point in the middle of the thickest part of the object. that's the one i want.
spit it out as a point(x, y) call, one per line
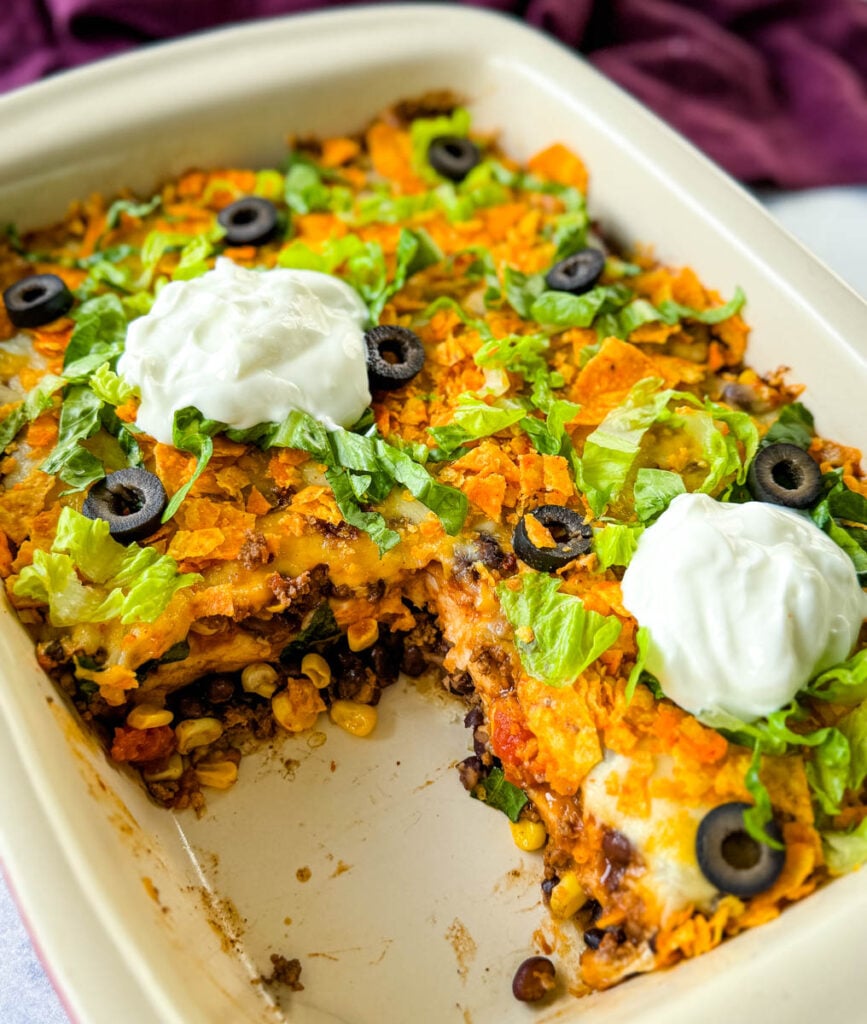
point(260, 678)
point(567, 896)
point(197, 732)
point(171, 773)
point(148, 716)
point(358, 719)
point(528, 835)
point(298, 706)
point(362, 635)
point(317, 670)
point(217, 774)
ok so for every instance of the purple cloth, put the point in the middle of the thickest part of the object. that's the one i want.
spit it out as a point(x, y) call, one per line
point(774, 90)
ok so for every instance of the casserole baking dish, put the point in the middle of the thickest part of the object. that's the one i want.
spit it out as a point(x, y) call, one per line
point(400, 871)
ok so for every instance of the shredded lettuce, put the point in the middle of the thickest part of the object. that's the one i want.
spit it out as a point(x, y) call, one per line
point(654, 490)
point(611, 450)
point(319, 630)
point(842, 514)
point(424, 130)
point(845, 683)
point(642, 642)
point(37, 401)
point(827, 768)
point(80, 418)
point(561, 309)
point(616, 543)
point(845, 851)
point(98, 337)
point(522, 290)
point(557, 638)
point(88, 577)
point(132, 208)
point(612, 447)
point(794, 425)
point(109, 387)
point(360, 468)
point(502, 795)
point(671, 312)
point(305, 191)
point(474, 418)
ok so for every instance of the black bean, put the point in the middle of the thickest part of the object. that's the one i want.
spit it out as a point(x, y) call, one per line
point(548, 885)
point(534, 979)
point(385, 659)
point(219, 689)
point(593, 937)
point(460, 683)
point(616, 847)
point(592, 909)
point(471, 771)
point(473, 718)
point(413, 663)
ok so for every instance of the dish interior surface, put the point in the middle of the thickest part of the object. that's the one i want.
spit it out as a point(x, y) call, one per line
point(417, 906)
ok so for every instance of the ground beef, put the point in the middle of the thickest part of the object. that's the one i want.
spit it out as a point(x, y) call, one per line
point(302, 593)
point(285, 972)
point(254, 551)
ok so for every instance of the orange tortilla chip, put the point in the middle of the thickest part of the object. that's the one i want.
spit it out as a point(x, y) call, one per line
point(190, 544)
point(607, 378)
point(558, 163)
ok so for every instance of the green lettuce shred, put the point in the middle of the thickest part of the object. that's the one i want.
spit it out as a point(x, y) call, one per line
point(566, 638)
point(89, 577)
point(502, 795)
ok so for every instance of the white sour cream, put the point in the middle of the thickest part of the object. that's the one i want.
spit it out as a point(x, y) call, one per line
point(247, 347)
point(744, 604)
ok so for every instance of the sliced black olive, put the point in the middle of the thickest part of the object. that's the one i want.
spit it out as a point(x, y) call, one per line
point(730, 858)
point(394, 356)
point(37, 300)
point(534, 979)
point(131, 501)
point(249, 221)
point(784, 474)
point(572, 535)
point(453, 156)
point(578, 273)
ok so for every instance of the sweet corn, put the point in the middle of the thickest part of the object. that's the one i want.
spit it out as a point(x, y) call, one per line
point(567, 896)
point(528, 835)
point(298, 706)
point(358, 719)
point(362, 635)
point(171, 773)
point(317, 670)
point(148, 716)
point(217, 774)
point(260, 678)
point(197, 732)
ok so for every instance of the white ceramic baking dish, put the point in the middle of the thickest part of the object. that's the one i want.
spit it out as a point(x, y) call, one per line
point(418, 907)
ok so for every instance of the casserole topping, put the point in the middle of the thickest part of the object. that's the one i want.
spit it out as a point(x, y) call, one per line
point(546, 415)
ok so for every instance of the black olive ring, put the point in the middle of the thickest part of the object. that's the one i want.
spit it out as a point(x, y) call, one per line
point(394, 356)
point(131, 501)
point(573, 536)
point(453, 156)
point(249, 221)
point(577, 273)
point(785, 474)
point(730, 858)
point(37, 300)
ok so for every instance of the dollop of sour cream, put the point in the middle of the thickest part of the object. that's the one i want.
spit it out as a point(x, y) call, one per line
point(744, 604)
point(247, 347)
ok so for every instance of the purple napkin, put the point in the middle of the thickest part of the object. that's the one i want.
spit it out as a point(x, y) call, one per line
point(774, 90)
